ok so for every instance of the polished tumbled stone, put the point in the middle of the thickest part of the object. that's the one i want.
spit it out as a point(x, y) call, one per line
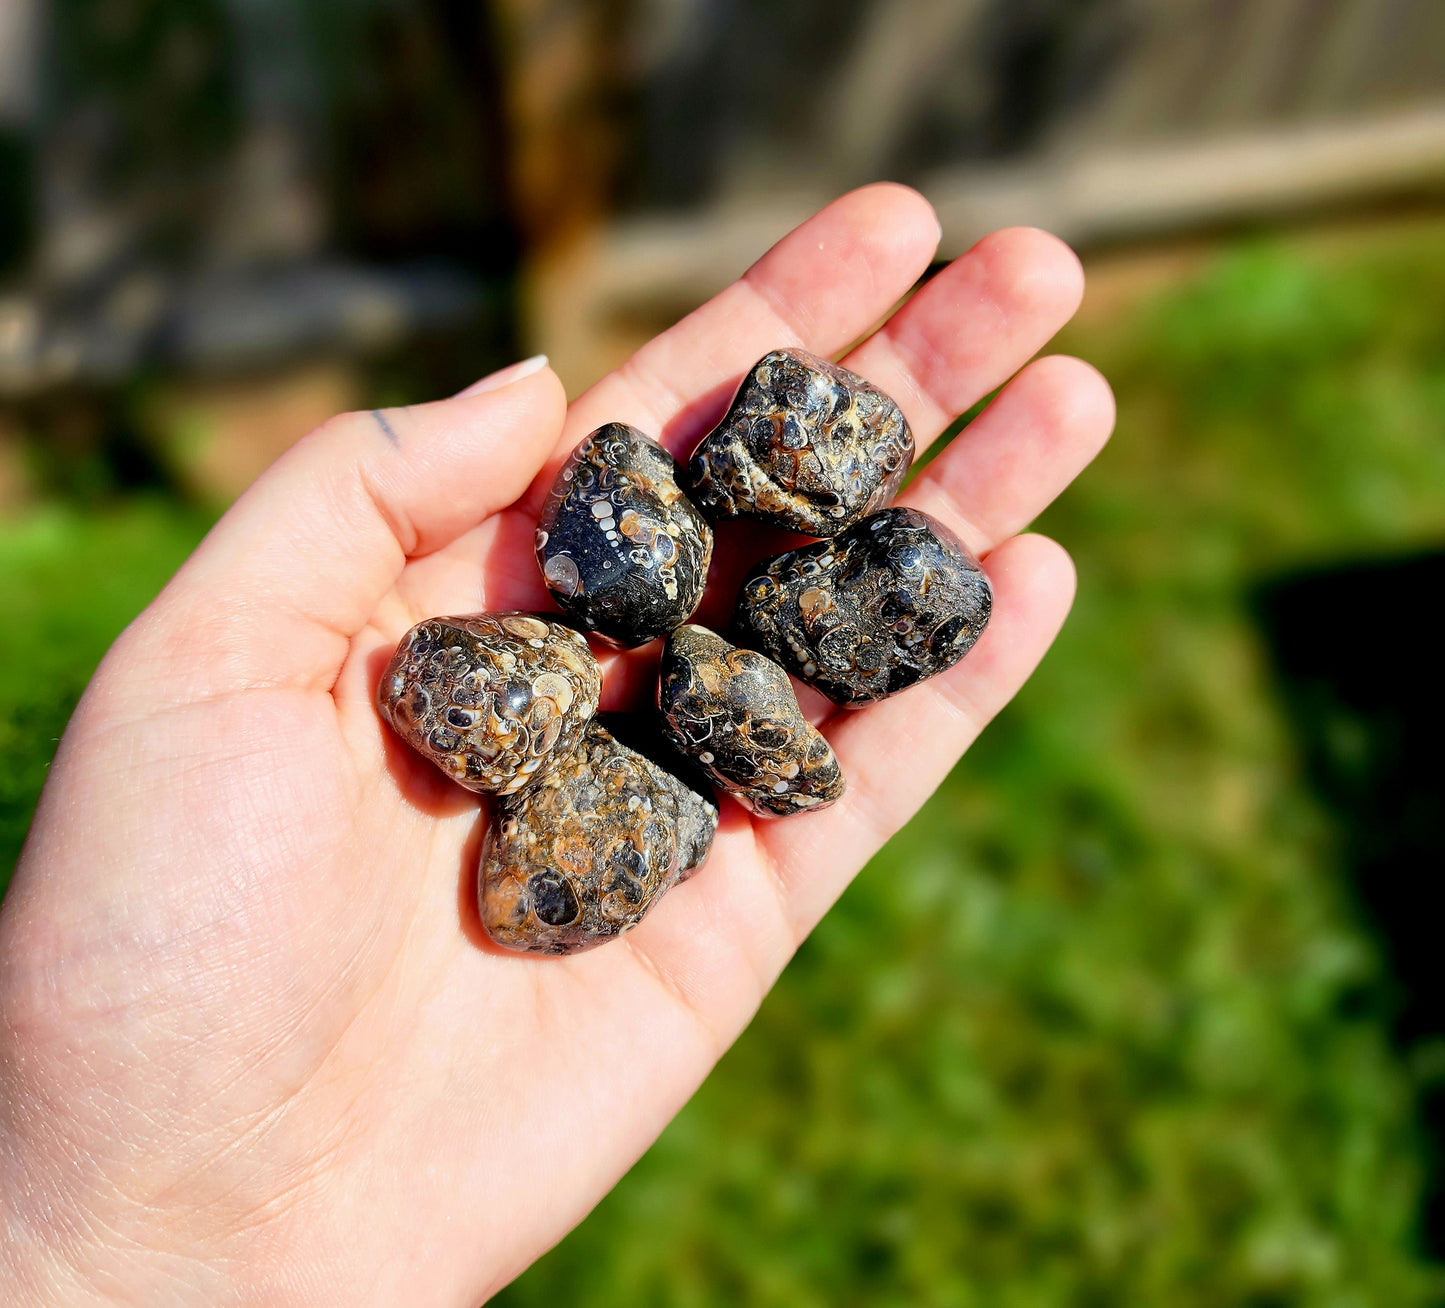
point(805, 445)
point(881, 606)
point(582, 855)
point(491, 698)
point(734, 713)
point(621, 548)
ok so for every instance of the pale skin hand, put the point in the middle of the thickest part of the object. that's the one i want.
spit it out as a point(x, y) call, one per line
point(254, 1046)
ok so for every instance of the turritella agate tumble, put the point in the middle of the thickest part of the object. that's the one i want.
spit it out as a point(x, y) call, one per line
point(881, 606)
point(492, 698)
point(733, 713)
point(622, 549)
point(582, 855)
point(806, 445)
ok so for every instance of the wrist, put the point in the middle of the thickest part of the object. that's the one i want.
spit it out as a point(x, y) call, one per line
point(53, 1253)
point(44, 1241)
point(63, 1220)
point(35, 1241)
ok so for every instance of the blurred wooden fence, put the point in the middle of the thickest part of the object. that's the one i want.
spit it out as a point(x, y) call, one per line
point(1103, 121)
point(347, 176)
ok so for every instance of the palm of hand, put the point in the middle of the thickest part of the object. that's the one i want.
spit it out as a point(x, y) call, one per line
point(248, 1007)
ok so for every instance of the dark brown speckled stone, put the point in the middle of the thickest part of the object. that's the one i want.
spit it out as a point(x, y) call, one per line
point(621, 548)
point(881, 606)
point(733, 712)
point(582, 855)
point(491, 698)
point(806, 445)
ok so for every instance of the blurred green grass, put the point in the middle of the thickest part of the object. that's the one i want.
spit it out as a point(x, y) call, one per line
point(71, 577)
point(1100, 1027)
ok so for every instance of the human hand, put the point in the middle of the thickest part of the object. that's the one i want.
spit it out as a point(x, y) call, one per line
point(254, 1045)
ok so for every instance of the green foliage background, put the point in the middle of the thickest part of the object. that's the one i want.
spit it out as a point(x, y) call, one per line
point(1102, 1025)
point(70, 580)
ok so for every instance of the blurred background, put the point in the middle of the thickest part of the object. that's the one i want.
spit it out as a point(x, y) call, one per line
point(1145, 1006)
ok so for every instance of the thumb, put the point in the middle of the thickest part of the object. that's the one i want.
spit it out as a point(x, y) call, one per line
point(297, 566)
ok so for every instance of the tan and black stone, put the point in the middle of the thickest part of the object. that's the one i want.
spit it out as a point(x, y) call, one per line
point(580, 857)
point(880, 607)
point(805, 445)
point(733, 712)
point(491, 698)
point(624, 552)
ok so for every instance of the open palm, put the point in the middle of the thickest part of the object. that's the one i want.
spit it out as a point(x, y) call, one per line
point(254, 1045)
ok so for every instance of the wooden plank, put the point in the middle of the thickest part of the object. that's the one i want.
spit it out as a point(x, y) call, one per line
point(902, 49)
point(585, 306)
point(1111, 194)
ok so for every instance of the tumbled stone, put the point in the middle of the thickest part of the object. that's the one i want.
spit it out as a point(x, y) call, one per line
point(734, 713)
point(643, 734)
point(582, 855)
point(881, 606)
point(621, 548)
point(491, 698)
point(806, 445)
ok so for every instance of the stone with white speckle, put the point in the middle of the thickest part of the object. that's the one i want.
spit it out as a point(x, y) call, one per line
point(623, 551)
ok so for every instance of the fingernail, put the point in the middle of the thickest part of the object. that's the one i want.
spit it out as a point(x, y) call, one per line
point(512, 373)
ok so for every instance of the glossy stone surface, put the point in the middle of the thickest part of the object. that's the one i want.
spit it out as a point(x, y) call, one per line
point(621, 548)
point(881, 606)
point(734, 713)
point(491, 698)
point(806, 445)
point(581, 856)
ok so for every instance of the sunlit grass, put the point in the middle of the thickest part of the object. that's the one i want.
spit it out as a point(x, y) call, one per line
point(70, 579)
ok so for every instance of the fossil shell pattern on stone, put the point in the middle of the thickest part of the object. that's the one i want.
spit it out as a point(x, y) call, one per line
point(621, 547)
point(891, 601)
point(733, 712)
point(491, 698)
point(582, 855)
point(805, 445)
